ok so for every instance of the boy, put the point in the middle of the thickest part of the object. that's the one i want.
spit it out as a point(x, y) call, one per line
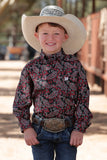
point(56, 84)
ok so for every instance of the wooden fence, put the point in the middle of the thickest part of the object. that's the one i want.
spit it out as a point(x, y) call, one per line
point(93, 55)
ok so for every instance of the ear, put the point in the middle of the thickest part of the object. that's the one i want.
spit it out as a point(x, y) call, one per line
point(66, 37)
point(36, 35)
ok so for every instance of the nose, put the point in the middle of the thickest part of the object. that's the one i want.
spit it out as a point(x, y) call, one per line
point(51, 37)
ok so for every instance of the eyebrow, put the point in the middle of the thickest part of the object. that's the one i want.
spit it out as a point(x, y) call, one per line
point(53, 25)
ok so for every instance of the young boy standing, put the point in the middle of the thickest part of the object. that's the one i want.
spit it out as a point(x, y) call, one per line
point(56, 84)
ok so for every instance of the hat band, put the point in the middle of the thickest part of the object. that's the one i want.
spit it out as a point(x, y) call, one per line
point(51, 12)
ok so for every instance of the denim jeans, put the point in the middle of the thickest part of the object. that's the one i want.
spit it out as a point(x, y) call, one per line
point(53, 145)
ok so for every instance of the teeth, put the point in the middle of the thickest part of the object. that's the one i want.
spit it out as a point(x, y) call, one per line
point(50, 44)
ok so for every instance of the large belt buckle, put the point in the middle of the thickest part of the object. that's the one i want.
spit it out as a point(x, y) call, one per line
point(54, 125)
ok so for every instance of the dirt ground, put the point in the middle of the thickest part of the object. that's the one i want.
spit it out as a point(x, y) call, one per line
point(12, 145)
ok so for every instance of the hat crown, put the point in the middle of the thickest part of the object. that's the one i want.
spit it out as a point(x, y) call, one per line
point(52, 11)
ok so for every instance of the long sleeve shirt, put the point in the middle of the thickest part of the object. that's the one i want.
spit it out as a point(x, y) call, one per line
point(56, 85)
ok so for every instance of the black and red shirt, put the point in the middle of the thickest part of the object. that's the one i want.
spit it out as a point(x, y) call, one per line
point(56, 85)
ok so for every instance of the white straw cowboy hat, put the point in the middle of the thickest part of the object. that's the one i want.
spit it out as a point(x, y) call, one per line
point(55, 14)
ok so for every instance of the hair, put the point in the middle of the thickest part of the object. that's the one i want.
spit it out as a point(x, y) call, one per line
point(53, 25)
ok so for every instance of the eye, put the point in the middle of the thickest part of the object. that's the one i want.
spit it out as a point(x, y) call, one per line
point(45, 33)
point(56, 33)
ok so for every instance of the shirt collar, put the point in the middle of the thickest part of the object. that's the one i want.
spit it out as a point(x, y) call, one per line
point(57, 56)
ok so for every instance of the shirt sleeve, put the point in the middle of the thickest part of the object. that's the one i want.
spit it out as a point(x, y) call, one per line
point(83, 115)
point(23, 100)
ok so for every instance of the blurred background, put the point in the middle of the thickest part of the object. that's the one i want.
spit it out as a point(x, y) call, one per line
point(15, 53)
point(93, 14)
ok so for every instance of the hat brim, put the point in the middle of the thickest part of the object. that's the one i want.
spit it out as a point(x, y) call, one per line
point(73, 26)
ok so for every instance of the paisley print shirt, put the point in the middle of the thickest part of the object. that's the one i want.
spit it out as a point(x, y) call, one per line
point(56, 85)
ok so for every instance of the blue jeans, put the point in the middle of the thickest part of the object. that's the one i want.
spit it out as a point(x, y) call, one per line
point(51, 143)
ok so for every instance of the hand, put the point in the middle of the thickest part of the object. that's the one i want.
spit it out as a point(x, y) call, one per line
point(30, 136)
point(76, 138)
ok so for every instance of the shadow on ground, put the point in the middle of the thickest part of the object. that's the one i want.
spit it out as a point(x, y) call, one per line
point(7, 92)
point(99, 124)
point(9, 125)
point(96, 92)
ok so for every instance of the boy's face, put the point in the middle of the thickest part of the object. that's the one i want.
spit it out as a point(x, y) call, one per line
point(51, 38)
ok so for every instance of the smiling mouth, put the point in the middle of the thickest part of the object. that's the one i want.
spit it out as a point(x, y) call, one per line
point(50, 44)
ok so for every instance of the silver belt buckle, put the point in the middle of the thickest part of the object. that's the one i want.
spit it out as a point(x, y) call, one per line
point(54, 125)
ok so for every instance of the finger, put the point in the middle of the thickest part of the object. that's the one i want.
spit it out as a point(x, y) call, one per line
point(35, 141)
point(28, 142)
point(73, 141)
point(79, 142)
point(31, 140)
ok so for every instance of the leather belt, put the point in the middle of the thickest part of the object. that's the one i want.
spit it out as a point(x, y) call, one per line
point(52, 124)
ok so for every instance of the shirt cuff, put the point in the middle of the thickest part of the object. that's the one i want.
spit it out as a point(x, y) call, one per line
point(24, 124)
point(81, 127)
